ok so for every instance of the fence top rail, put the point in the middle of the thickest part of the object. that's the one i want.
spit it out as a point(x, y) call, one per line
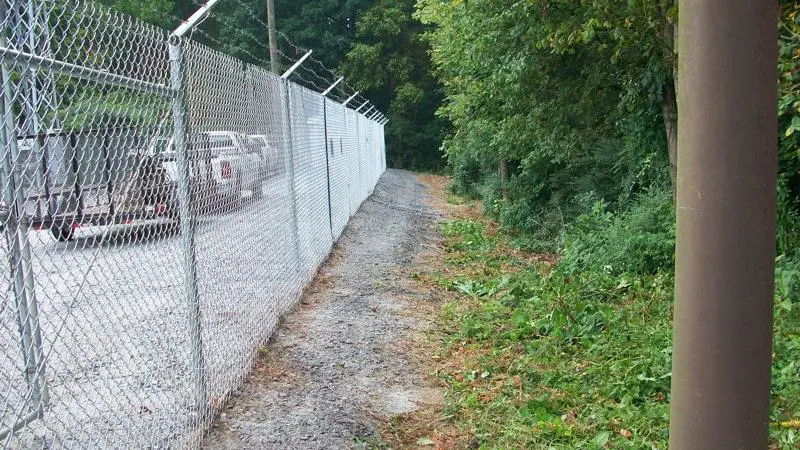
point(31, 61)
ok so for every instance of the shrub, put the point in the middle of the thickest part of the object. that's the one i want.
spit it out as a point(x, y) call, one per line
point(640, 239)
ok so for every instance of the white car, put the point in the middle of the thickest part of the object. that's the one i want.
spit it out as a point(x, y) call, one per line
point(273, 157)
point(236, 166)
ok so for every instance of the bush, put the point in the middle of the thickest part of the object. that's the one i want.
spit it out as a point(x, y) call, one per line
point(578, 355)
point(467, 177)
point(543, 358)
point(786, 353)
point(639, 240)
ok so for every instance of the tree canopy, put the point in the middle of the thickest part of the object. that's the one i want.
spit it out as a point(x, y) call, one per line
point(389, 62)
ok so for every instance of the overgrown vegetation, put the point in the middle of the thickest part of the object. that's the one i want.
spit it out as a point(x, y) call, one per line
point(575, 352)
point(564, 126)
point(556, 105)
point(389, 62)
point(575, 97)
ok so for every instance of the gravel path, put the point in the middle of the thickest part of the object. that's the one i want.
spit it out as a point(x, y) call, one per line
point(336, 366)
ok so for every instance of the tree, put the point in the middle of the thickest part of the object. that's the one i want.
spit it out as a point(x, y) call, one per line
point(641, 36)
point(326, 26)
point(390, 63)
point(376, 44)
point(562, 92)
point(156, 12)
point(789, 127)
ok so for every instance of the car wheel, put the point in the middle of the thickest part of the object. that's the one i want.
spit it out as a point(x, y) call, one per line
point(62, 232)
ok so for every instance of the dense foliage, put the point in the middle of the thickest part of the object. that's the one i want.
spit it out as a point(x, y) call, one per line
point(579, 99)
point(575, 95)
point(564, 124)
point(789, 128)
point(390, 63)
point(576, 354)
point(544, 356)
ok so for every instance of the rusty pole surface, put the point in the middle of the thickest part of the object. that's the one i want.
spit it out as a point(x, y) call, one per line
point(725, 255)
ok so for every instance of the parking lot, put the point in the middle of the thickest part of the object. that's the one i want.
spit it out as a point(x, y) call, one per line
point(114, 320)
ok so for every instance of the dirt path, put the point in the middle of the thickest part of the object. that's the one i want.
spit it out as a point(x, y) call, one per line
point(338, 367)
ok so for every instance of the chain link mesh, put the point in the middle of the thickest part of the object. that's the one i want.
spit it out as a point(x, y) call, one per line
point(163, 204)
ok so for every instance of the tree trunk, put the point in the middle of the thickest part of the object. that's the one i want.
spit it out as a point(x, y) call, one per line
point(669, 110)
point(669, 105)
point(504, 178)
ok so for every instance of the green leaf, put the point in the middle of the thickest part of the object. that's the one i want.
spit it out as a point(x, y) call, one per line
point(425, 441)
point(794, 126)
point(602, 438)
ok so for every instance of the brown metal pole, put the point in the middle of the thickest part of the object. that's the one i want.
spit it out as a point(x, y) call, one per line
point(274, 62)
point(727, 164)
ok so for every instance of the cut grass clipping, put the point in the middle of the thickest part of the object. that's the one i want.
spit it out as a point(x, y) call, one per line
point(539, 356)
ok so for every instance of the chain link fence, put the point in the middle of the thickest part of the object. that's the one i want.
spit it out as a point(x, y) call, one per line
point(163, 204)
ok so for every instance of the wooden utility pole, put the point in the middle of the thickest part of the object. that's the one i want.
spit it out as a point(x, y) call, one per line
point(725, 255)
point(274, 60)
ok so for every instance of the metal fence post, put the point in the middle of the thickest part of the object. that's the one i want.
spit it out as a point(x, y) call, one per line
point(20, 261)
point(360, 184)
point(725, 254)
point(188, 213)
point(288, 161)
point(327, 162)
point(327, 149)
point(383, 146)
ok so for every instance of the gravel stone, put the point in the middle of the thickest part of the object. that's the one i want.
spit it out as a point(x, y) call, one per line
point(335, 368)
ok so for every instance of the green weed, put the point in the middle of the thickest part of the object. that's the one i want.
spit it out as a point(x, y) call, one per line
point(578, 355)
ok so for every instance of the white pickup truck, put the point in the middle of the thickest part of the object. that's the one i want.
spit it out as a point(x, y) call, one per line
point(222, 160)
point(273, 157)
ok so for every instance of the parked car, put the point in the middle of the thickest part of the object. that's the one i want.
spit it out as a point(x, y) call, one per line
point(223, 164)
point(273, 157)
point(236, 166)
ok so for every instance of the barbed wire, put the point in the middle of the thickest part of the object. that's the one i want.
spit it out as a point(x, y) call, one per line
point(313, 74)
point(299, 79)
point(245, 33)
point(253, 15)
point(299, 49)
point(313, 78)
point(311, 58)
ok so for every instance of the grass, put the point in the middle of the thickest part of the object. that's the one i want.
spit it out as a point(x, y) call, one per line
point(536, 359)
point(534, 356)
